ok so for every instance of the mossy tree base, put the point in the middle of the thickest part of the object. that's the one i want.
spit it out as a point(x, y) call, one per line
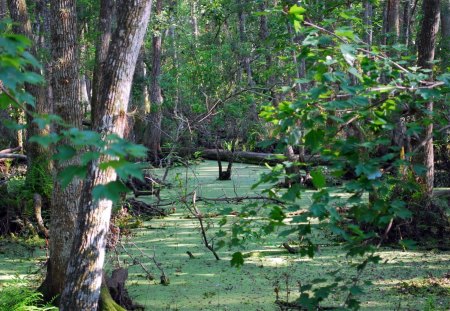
point(106, 302)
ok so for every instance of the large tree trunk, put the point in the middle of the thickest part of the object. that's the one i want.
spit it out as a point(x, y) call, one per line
point(426, 50)
point(153, 133)
point(84, 273)
point(65, 87)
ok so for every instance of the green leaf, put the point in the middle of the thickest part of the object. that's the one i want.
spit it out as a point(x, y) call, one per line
point(89, 156)
point(348, 51)
point(277, 214)
point(296, 10)
point(237, 260)
point(314, 139)
point(292, 193)
point(65, 152)
point(70, 172)
point(318, 178)
point(345, 32)
point(45, 140)
point(110, 191)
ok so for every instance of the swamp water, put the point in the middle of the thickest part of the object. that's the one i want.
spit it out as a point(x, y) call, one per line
point(204, 283)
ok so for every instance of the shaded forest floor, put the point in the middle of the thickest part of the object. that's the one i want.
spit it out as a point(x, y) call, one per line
point(406, 280)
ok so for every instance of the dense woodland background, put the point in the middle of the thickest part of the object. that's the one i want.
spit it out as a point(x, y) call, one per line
point(347, 95)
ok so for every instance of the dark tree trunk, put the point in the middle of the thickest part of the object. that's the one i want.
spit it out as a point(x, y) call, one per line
point(153, 134)
point(368, 16)
point(426, 49)
point(3, 9)
point(84, 272)
point(36, 153)
point(140, 100)
point(445, 34)
point(392, 21)
point(406, 23)
point(106, 18)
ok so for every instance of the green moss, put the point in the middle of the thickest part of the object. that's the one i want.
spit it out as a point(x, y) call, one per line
point(106, 302)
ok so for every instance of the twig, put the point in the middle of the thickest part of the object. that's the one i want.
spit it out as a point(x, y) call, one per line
point(200, 220)
point(136, 261)
point(164, 278)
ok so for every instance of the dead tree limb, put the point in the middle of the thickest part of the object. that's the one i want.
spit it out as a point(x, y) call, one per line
point(11, 150)
point(38, 214)
point(12, 156)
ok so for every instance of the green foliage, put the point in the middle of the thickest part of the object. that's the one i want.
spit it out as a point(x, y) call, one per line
point(39, 179)
point(14, 60)
point(19, 296)
point(347, 96)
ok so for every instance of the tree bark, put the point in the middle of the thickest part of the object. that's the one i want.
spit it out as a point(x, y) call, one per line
point(368, 16)
point(3, 9)
point(140, 100)
point(392, 21)
point(445, 34)
point(65, 88)
point(426, 49)
point(84, 273)
point(19, 14)
point(106, 18)
point(153, 133)
point(406, 23)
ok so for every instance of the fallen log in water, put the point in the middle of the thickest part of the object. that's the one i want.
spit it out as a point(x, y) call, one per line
point(255, 157)
point(142, 208)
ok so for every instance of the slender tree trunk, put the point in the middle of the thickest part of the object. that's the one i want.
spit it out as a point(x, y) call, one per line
point(153, 134)
point(392, 21)
point(426, 49)
point(406, 23)
point(445, 34)
point(19, 14)
point(3, 9)
point(84, 273)
point(194, 19)
point(65, 88)
point(83, 94)
point(245, 56)
point(140, 100)
point(368, 16)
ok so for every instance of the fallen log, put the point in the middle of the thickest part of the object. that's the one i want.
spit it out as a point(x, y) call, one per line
point(243, 156)
point(142, 208)
point(12, 156)
point(439, 193)
point(255, 157)
point(11, 150)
